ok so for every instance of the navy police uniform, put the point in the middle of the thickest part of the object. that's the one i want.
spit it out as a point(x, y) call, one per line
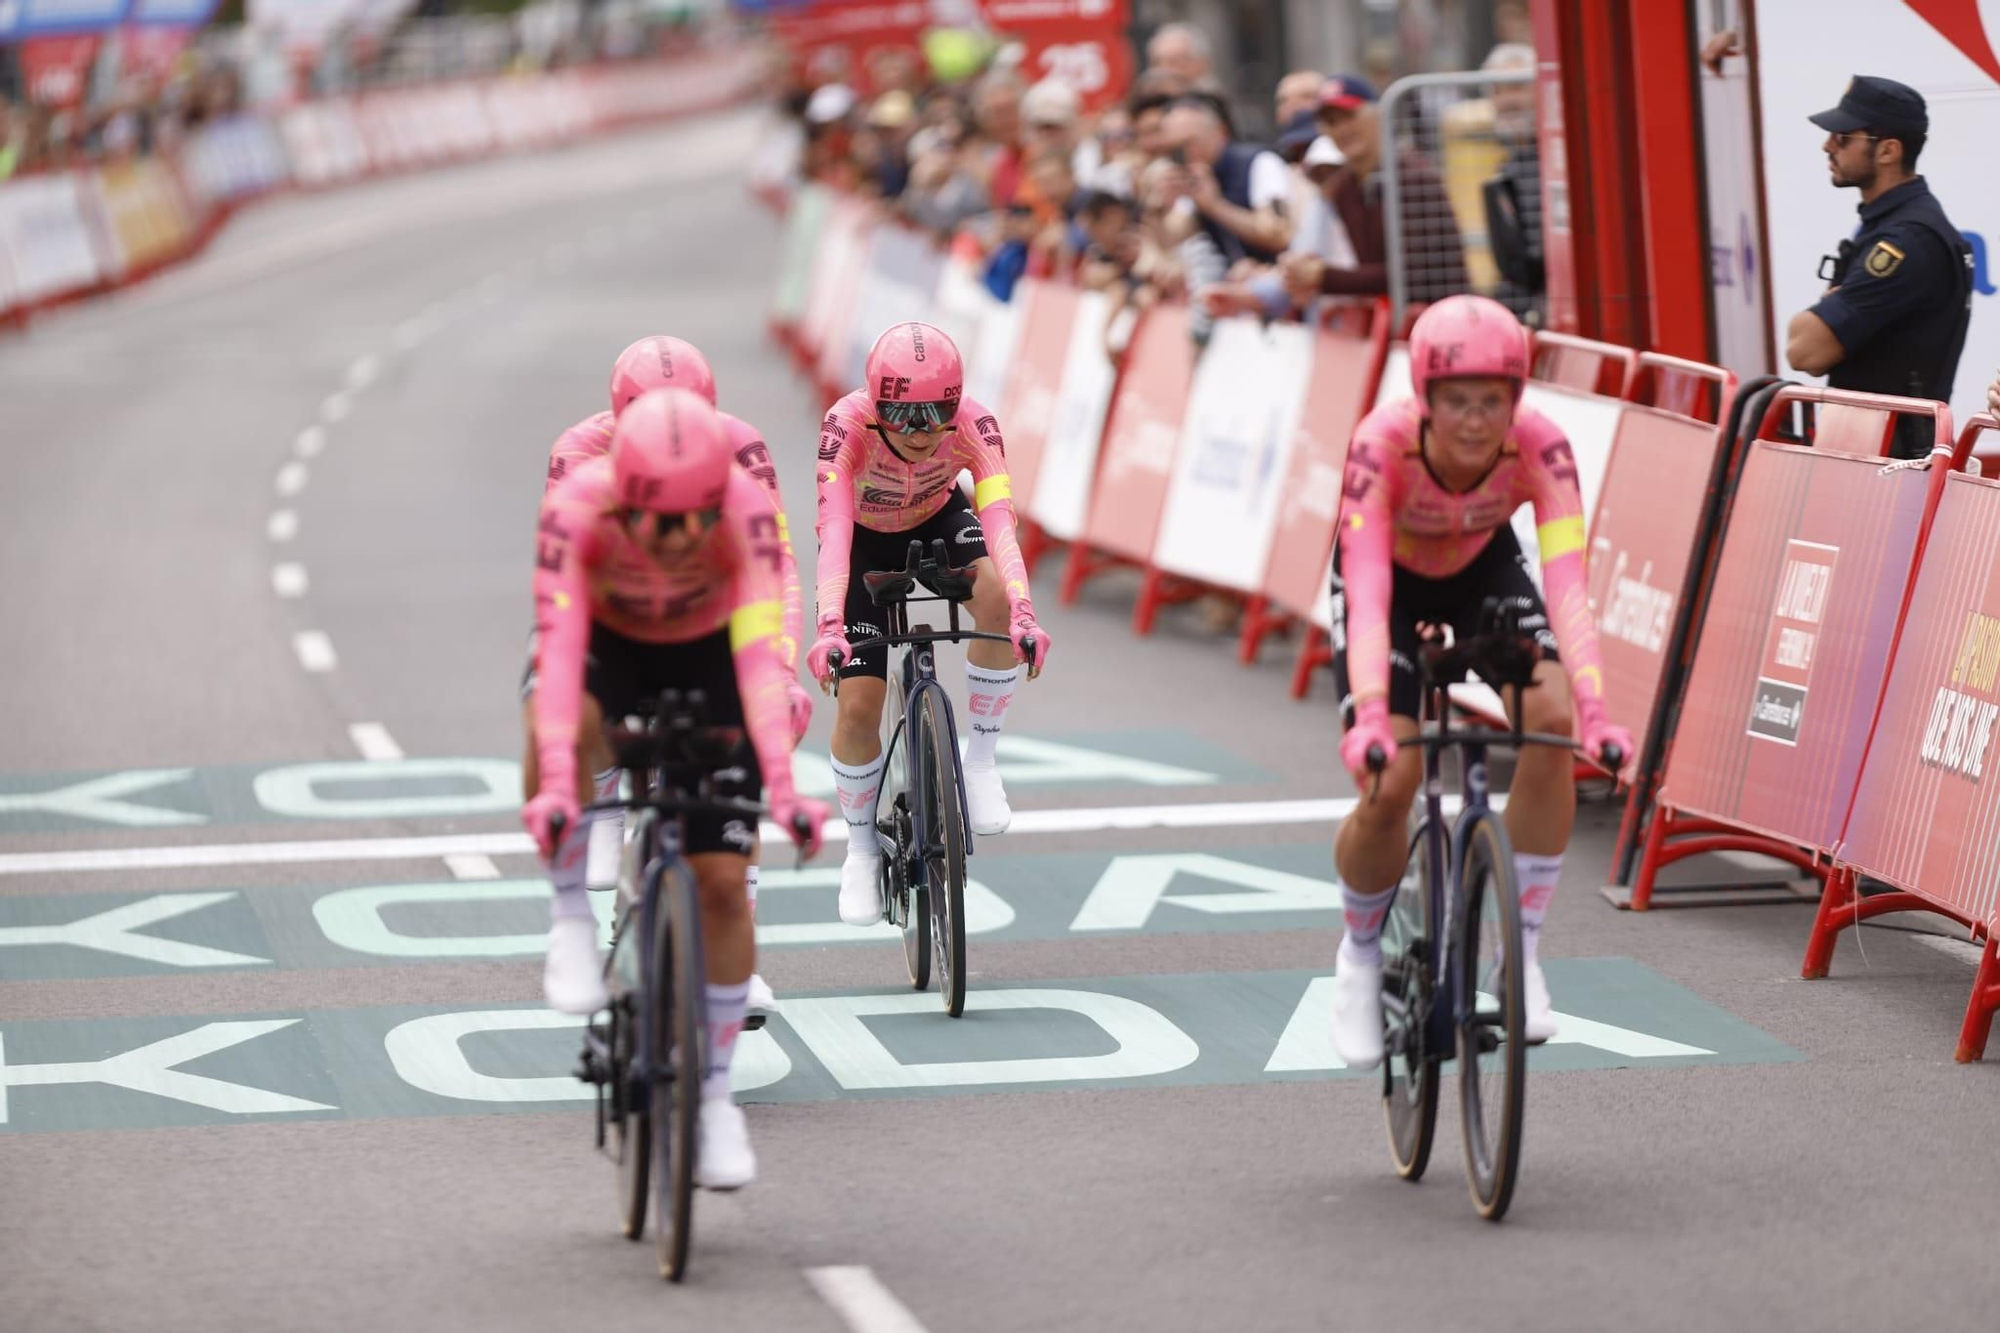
point(1901, 294)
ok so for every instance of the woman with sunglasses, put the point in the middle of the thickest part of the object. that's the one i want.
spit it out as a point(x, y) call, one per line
point(661, 362)
point(658, 567)
point(889, 458)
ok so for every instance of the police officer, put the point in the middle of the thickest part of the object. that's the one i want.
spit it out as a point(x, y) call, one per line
point(1893, 319)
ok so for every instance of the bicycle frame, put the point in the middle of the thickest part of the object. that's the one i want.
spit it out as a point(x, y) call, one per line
point(657, 838)
point(1449, 1009)
point(918, 669)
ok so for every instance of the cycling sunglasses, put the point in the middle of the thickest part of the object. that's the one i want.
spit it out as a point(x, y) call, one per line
point(921, 417)
point(667, 523)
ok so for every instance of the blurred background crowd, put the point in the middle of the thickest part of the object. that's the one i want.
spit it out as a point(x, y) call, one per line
point(1187, 188)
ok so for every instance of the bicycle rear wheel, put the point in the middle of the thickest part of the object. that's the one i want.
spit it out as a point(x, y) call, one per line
point(944, 848)
point(631, 1126)
point(680, 990)
point(1492, 1037)
point(1410, 1072)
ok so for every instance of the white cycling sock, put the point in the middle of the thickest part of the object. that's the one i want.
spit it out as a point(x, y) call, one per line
point(987, 694)
point(859, 789)
point(569, 872)
point(726, 1006)
point(1364, 914)
point(607, 836)
point(750, 887)
point(1537, 876)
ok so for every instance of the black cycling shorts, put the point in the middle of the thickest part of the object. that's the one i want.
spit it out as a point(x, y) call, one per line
point(873, 552)
point(622, 673)
point(1499, 570)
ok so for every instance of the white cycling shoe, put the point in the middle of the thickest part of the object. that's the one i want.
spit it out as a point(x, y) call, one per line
point(573, 977)
point(1357, 1010)
point(723, 1160)
point(861, 887)
point(986, 800)
point(1541, 1017)
point(760, 1000)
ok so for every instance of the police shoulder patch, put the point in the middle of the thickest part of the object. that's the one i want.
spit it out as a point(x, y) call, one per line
point(1883, 259)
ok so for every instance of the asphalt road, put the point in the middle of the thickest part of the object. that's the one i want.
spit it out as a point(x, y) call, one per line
point(289, 489)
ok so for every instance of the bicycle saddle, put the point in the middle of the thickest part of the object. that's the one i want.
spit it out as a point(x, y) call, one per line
point(935, 572)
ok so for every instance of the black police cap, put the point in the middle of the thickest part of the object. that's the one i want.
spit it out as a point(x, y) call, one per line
point(1882, 105)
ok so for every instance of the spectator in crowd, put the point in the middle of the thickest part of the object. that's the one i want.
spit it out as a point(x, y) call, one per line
point(1234, 192)
point(883, 149)
point(1112, 243)
point(1320, 235)
point(829, 151)
point(1433, 253)
point(1052, 196)
point(946, 188)
point(1894, 318)
point(997, 156)
point(1297, 96)
point(1050, 115)
point(1182, 50)
point(1109, 160)
point(1149, 119)
point(1514, 195)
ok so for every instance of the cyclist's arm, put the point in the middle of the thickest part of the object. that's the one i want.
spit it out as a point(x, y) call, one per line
point(840, 446)
point(756, 623)
point(562, 619)
point(587, 439)
point(1367, 555)
point(755, 458)
point(993, 501)
point(1559, 530)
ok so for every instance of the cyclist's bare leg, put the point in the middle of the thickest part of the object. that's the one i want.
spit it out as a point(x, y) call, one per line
point(857, 721)
point(728, 938)
point(1541, 803)
point(989, 616)
point(593, 752)
point(1373, 843)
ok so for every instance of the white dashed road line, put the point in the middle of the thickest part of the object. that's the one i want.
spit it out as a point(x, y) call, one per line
point(282, 526)
point(315, 650)
point(291, 478)
point(471, 865)
point(363, 372)
point(336, 407)
point(861, 1301)
point(374, 741)
point(288, 580)
point(309, 442)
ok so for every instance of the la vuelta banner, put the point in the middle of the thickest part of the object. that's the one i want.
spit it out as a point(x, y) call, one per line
point(1927, 813)
point(1795, 645)
point(1082, 42)
point(56, 70)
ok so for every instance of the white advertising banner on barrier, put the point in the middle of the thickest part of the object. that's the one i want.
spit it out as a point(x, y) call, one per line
point(1249, 387)
point(43, 228)
point(1806, 64)
point(1069, 455)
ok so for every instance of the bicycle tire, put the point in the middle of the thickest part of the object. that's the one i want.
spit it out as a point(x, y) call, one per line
point(1410, 1069)
point(944, 870)
point(1492, 1074)
point(902, 900)
point(631, 1125)
point(680, 988)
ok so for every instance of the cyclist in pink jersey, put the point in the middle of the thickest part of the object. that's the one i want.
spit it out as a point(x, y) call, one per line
point(1432, 483)
point(661, 362)
point(889, 458)
point(658, 567)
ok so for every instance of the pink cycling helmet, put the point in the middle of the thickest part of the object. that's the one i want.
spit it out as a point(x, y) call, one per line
point(670, 454)
point(914, 371)
point(1466, 337)
point(659, 363)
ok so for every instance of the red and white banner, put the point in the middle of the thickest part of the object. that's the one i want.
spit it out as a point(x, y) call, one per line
point(56, 70)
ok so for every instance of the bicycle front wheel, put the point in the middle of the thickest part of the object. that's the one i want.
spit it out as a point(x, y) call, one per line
point(1409, 1065)
point(679, 994)
point(631, 1127)
point(944, 848)
point(903, 898)
point(1492, 1032)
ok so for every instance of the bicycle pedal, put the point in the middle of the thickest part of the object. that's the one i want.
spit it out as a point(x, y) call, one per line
point(588, 1070)
point(1489, 1041)
point(751, 1022)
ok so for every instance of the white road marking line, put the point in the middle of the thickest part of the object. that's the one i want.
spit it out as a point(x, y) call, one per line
point(374, 741)
point(471, 865)
point(406, 335)
point(1213, 815)
point(309, 442)
point(315, 650)
point(363, 371)
point(291, 478)
point(282, 526)
point(861, 1301)
point(288, 580)
point(336, 407)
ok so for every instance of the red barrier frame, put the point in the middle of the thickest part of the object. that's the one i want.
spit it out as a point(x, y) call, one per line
point(1674, 835)
point(1582, 364)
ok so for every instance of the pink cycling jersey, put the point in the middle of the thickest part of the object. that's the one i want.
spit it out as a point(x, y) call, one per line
point(589, 570)
point(591, 438)
point(1395, 512)
point(862, 480)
